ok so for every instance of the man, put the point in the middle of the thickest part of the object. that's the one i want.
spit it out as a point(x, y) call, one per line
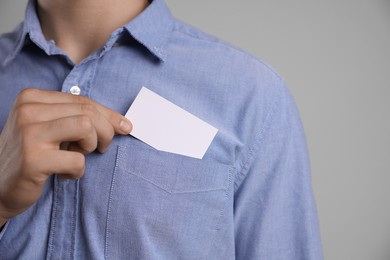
point(75, 185)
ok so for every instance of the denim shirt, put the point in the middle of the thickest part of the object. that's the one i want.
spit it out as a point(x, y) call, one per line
point(250, 197)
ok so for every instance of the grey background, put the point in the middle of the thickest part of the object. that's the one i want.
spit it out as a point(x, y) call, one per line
point(335, 57)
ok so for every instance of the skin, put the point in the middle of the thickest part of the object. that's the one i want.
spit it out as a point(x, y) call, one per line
point(79, 27)
point(50, 132)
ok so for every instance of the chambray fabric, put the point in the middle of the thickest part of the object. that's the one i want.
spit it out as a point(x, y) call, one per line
point(250, 197)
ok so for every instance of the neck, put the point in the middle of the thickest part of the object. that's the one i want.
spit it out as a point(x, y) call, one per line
point(79, 27)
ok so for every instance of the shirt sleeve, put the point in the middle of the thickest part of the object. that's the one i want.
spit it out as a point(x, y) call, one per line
point(275, 213)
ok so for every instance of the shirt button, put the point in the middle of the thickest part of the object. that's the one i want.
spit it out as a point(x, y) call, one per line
point(75, 90)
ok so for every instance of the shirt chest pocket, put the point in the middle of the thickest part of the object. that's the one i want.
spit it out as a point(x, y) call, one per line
point(164, 205)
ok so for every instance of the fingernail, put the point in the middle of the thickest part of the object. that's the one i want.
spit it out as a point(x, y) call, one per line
point(125, 126)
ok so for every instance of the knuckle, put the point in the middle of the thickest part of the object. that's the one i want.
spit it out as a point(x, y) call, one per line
point(81, 99)
point(89, 110)
point(85, 123)
point(108, 136)
point(89, 149)
point(26, 95)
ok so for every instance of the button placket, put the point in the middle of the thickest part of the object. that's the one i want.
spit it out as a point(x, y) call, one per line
point(73, 82)
point(62, 246)
point(79, 80)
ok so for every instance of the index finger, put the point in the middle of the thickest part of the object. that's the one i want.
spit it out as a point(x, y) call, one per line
point(120, 123)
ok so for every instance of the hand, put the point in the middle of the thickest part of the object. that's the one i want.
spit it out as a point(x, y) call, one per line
point(49, 132)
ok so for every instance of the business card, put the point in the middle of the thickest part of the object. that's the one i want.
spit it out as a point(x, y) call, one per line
point(167, 127)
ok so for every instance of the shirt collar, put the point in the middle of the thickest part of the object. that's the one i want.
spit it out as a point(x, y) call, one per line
point(151, 28)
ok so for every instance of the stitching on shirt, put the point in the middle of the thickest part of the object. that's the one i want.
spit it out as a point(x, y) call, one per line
point(54, 218)
point(91, 77)
point(252, 150)
point(170, 191)
point(164, 188)
point(73, 237)
point(109, 202)
point(223, 209)
point(226, 195)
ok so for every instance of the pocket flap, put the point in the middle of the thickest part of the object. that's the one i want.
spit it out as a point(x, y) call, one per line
point(172, 172)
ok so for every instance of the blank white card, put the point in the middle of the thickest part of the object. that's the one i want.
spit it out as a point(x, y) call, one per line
point(167, 127)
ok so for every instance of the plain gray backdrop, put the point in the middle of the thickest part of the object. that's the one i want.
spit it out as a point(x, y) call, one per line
point(335, 57)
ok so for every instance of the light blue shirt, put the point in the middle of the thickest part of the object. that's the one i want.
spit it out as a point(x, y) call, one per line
point(250, 197)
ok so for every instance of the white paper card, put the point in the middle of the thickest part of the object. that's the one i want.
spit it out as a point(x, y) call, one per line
point(167, 127)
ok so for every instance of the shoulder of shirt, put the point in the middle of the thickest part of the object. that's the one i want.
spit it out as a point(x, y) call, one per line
point(196, 34)
point(243, 70)
point(250, 73)
point(9, 40)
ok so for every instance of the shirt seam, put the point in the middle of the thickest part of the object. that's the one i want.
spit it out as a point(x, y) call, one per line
point(259, 140)
point(52, 231)
point(107, 233)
